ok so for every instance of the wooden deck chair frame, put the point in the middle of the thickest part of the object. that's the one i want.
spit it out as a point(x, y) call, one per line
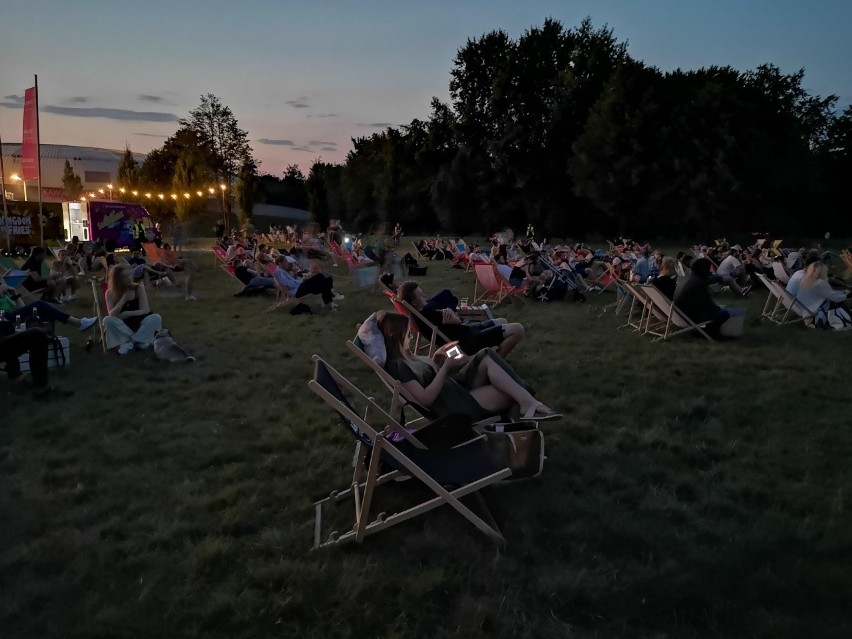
point(433, 329)
point(787, 309)
point(676, 321)
point(98, 295)
point(491, 288)
point(647, 313)
point(366, 476)
point(417, 250)
point(414, 332)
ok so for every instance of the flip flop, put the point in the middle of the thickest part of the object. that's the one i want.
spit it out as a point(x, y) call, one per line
point(533, 416)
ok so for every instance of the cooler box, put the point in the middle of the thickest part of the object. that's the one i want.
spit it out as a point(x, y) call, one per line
point(51, 356)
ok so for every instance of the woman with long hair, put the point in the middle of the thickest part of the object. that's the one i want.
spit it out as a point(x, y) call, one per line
point(130, 323)
point(478, 387)
point(827, 305)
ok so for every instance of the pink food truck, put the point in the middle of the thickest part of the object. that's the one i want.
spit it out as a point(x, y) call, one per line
point(104, 220)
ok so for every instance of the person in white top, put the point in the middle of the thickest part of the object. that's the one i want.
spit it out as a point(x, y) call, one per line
point(814, 289)
point(733, 274)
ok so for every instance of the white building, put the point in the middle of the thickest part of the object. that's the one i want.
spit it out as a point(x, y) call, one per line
point(96, 167)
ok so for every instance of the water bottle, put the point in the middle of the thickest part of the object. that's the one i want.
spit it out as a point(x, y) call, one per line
point(35, 314)
point(19, 327)
point(2, 316)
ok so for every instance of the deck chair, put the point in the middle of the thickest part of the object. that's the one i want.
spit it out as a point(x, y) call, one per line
point(434, 334)
point(787, 309)
point(469, 467)
point(99, 295)
point(414, 331)
point(490, 286)
point(649, 315)
point(417, 250)
point(151, 252)
point(362, 275)
point(676, 321)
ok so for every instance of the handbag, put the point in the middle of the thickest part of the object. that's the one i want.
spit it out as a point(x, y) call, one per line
point(519, 446)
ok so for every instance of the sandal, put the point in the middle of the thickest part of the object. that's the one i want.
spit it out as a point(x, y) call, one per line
point(533, 415)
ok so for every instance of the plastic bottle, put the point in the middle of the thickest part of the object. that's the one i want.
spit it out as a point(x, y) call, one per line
point(2, 316)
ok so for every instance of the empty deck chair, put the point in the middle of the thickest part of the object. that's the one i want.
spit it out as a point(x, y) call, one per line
point(469, 467)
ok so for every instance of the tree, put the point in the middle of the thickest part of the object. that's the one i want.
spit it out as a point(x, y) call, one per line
point(246, 190)
point(126, 176)
point(218, 131)
point(72, 186)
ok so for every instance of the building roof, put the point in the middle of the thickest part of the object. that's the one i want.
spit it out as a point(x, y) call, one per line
point(69, 152)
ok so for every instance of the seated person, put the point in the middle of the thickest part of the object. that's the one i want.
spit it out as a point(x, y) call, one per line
point(642, 269)
point(34, 341)
point(816, 294)
point(472, 337)
point(76, 254)
point(796, 278)
point(64, 272)
point(52, 288)
point(314, 282)
point(478, 387)
point(255, 279)
point(732, 273)
point(171, 261)
point(45, 311)
point(514, 275)
point(666, 281)
point(130, 324)
point(693, 298)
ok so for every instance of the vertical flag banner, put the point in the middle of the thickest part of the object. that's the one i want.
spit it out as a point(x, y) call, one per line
point(29, 146)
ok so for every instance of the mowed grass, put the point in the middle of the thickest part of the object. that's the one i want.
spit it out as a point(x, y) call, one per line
point(694, 489)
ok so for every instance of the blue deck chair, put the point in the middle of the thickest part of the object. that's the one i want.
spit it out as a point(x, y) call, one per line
point(467, 468)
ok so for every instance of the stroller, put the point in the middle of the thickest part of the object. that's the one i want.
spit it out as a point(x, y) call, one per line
point(561, 282)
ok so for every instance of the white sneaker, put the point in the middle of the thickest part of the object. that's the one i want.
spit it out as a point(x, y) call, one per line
point(125, 348)
point(331, 306)
point(191, 298)
point(70, 298)
point(87, 322)
point(338, 297)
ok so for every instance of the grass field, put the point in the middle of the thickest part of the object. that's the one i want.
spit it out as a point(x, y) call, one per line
point(693, 490)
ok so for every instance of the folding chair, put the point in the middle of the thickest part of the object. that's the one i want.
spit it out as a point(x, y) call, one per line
point(98, 294)
point(787, 309)
point(413, 328)
point(676, 321)
point(648, 310)
point(490, 286)
point(378, 460)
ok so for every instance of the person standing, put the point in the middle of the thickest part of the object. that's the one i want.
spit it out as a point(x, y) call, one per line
point(177, 236)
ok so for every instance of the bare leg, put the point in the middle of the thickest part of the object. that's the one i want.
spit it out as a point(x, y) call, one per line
point(512, 334)
point(493, 375)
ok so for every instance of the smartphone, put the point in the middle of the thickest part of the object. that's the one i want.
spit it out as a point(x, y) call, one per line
point(454, 352)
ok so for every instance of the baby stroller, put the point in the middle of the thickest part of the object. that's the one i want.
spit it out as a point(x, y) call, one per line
point(559, 285)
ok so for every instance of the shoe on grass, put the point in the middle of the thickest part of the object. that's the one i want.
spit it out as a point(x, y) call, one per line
point(191, 298)
point(87, 322)
point(125, 348)
point(338, 297)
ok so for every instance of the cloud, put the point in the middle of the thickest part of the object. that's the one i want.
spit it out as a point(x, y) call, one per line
point(143, 97)
point(276, 142)
point(298, 103)
point(301, 148)
point(376, 125)
point(78, 100)
point(323, 115)
point(124, 115)
point(328, 148)
point(111, 114)
point(319, 143)
point(151, 135)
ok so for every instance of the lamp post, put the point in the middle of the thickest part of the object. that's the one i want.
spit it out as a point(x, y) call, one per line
point(18, 178)
point(109, 188)
point(225, 211)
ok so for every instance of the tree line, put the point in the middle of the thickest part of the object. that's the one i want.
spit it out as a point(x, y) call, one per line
point(564, 130)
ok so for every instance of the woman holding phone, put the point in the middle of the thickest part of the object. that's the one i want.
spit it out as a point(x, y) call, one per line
point(450, 382)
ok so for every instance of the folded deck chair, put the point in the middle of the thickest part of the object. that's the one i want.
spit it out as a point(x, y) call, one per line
point(468, 468)
point(676, 322)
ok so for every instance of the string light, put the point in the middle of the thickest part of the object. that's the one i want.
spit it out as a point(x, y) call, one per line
point(162, 196)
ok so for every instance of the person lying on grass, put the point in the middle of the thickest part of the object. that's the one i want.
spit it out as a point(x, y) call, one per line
point(472, 337)
point(450, 382)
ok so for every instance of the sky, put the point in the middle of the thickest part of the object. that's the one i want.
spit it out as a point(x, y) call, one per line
point(304, 78)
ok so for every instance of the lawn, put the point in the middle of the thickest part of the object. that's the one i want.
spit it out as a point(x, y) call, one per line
point(693, 490)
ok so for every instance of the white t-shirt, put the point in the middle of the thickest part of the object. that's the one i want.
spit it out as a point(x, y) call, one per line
point(728, 266)
point(812, 297)
point(795, 280)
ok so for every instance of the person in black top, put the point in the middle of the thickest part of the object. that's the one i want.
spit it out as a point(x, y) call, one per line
point(666, 281)
point(36, 281)
point(692, 297)
point(34, 341)
point(472, 337)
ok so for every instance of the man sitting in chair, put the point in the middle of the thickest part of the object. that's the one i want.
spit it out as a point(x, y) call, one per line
point(472, 337)
point(313, 283)
point(692, 297)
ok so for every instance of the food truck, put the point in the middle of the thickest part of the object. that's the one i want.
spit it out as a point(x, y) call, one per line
point(104, 220)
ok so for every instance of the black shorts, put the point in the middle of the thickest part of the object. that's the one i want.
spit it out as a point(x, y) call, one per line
point(482, 335)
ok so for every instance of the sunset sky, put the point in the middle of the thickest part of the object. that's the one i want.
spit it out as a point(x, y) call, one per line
point(303, 78)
